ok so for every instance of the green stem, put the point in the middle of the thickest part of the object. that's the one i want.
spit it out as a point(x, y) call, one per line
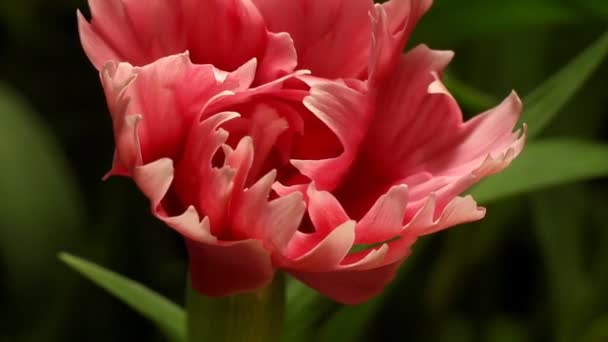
point(250, 317)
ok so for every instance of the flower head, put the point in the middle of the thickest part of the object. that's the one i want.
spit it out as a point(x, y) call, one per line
point(291, 133)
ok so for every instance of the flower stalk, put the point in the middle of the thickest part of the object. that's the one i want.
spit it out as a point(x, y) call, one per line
point(248, 317)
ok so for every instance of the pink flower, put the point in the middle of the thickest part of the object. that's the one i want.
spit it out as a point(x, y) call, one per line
point(262, 166)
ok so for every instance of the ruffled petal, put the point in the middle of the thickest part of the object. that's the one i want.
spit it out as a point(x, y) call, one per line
point(95, 46)
point(417, 138)
point(137, 32)
point(307, 253)
point(362, 275)
point(384, 220)
point(162, 99)
point(141, 32)
point(481, 147)
point(332, 41)
point(324, 210)
point(345, 111)
point(349, 287)
point(217, 268)
point(234, 32)
point(458, 211)
point(229, 268)
point(274, 222)
point(392, 24)
point(197, 182)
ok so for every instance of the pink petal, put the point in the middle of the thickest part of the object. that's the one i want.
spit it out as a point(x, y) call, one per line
point(273, 222)
point(240, 160)
point(419, 138)
point(233, 32)
point(197, 182)
point(154, 180)
point(405, 115)
point(225, 34)
point(332, 41)
point(479, 148)
point(217, 268)
point(306, 253)
point(324, 210)
point(349, 287)
point(392, 24)
point(345, 112)
point(278, 59)
point(361, 275)
point(220, 270)
point(458, 211)
point(366, 259)
point(129, 31)
point(96, 48)
point(166, 96)
point(384, 220)
point(266, 127)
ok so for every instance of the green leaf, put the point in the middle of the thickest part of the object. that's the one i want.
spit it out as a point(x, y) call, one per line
point(598, 332)
point(469, 97)
point(560, 226)
point(545, 102)
point(457, 329)
point(543, 164)
point(169, 317)
point(40, 205)
point(504, 329)
point(599, 7)
point(473, 19)
point(304, 310)
point(357, 317)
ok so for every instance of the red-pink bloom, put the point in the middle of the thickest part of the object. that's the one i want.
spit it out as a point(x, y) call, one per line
point(260, 166)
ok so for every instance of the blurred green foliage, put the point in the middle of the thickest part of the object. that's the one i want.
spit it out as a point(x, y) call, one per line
point(536, 269)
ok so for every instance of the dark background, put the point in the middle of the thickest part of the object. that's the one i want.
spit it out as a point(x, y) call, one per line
point(536, 269)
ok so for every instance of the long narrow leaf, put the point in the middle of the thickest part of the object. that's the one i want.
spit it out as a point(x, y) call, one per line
point(545, 102)
point(170, 318)
point(543, 164)
point(469, 97)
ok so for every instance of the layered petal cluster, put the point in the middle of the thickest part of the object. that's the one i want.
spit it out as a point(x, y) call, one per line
point(291, 135)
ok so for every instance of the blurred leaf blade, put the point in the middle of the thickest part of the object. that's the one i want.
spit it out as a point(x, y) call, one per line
point(544, 164)
point(471, 19)
point(35, 179)
point(598, 332)
point(169, 317)
point(357, 317)
point(559, 226)
point(469, 97)
point(545, 102)
point(305, 308)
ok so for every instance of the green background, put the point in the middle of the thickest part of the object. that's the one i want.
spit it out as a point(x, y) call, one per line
point(536, 269)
